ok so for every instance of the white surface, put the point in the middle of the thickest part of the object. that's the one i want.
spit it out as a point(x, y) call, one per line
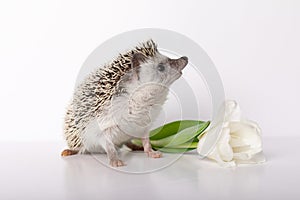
point(36, 171)
point(254, 45)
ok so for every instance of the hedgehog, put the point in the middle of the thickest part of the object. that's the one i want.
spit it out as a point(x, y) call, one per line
point(119, 101)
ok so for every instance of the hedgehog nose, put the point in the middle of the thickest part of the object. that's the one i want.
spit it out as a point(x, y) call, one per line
point(185, 58)
point(179, 63)
point(183, 62)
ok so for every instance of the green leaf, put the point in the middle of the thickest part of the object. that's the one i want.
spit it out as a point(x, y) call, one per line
point(173, 150)
point(176, 142)
point(188, 145)
point(172, 128)
point(181, 137)
point(137, 142)
point(185, 145)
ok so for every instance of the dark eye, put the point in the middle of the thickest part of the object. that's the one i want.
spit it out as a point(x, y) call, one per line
point(161, 67)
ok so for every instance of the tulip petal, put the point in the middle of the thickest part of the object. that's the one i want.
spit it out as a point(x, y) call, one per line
point(232, 111)
point(215, 155)
point(244, 134)
point(222, 153)
point(224, 148)
point(239, 142)
point(203, 137)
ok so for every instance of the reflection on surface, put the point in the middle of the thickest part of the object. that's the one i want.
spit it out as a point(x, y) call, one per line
point(86, 177)
point(30, 174)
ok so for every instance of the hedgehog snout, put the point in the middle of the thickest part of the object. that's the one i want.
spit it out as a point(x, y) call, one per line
point(179, 64)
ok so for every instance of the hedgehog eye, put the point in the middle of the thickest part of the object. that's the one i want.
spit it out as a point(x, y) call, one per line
point(161, 67)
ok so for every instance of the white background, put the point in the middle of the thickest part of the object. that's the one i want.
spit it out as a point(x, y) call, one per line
point(255, 46)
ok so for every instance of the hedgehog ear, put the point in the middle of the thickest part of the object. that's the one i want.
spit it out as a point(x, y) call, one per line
point(137, 60)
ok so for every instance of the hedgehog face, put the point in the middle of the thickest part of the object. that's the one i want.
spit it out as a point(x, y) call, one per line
point(159, 69)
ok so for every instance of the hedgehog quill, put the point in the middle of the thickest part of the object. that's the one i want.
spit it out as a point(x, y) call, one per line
point(119, 101)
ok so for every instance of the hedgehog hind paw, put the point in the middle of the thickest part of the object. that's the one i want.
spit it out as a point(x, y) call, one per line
point(154, 154)
point(116, 163)
point(68, 152)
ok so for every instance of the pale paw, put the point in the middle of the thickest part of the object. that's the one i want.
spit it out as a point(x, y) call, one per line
point(116, 163)
point(154, 154)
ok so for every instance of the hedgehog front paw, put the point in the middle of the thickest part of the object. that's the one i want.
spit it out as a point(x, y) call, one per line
point(154, 154)
point(116, 163)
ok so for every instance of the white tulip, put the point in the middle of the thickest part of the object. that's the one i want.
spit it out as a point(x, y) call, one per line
point(239, 142)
